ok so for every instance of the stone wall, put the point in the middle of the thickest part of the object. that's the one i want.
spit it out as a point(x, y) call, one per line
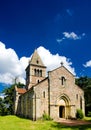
point(68, 92)
point(41, 91)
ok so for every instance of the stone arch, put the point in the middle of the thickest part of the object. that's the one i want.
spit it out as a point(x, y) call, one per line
point(63, 103)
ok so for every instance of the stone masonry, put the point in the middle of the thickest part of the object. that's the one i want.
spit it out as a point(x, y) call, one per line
point(56, 95)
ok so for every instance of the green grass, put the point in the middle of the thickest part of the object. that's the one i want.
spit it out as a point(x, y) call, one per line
point(16, 123)
point(87, 118)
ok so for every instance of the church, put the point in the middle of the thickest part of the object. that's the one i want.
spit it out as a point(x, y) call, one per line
point(57, 95)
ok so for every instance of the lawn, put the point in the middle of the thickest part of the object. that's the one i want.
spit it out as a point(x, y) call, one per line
point(16, 123)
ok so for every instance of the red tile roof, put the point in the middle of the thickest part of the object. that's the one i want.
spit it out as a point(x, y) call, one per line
point(21, 90)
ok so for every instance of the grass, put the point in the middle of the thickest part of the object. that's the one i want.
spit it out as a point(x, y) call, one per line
point(16, 123)
point(87, 118)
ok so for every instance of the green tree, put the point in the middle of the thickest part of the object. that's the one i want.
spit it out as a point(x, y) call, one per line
point(9, 98)
point(85, 84)
point(2, 107)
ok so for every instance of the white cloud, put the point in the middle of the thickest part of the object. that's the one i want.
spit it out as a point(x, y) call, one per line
point(70, 35)
point(87, 64)
point(12, 67)
point(53, 61)
point(60, 40)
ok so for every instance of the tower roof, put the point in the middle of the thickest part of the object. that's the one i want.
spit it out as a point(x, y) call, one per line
point(36, 60)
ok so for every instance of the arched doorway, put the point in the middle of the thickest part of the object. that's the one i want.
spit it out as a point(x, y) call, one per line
point(62, 111)
point(63, 103)
point(62, 108)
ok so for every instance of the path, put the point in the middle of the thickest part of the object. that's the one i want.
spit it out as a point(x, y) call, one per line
point(72, 122)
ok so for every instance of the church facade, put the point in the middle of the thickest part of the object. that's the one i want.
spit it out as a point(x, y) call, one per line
point(56, 95)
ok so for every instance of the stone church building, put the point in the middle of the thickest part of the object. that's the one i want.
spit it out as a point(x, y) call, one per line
point(56, 95)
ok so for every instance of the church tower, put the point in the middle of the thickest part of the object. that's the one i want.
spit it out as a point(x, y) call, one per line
point(36, 71)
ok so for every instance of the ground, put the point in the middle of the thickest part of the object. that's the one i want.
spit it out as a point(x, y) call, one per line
point(16, 123)
point(73, 122)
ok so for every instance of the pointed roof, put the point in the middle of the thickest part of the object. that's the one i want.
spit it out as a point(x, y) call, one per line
point(62, 66)
point(36, 60)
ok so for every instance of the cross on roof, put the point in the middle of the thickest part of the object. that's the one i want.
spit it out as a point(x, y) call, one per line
point(61, 63)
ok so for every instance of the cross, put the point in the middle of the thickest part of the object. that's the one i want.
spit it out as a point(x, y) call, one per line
point(61, 63)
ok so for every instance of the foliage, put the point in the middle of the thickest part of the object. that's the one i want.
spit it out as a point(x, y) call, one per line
point(79, 114)
point(2, 107)
point(89, 114)
point(46, 117)
point(85, 84)
point(7, 104)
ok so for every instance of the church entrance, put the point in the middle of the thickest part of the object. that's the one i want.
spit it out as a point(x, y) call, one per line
point(63, 106)
point(61, 111)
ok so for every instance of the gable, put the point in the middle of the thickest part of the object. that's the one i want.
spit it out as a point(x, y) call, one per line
point(62, 68)
point(36, 60)
point(61, 73)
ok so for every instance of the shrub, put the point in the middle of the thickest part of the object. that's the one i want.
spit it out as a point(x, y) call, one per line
point(46, 117)
point(79, 114)
point(89, 114)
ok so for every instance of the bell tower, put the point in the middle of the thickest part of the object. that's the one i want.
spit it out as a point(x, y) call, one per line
point(36, 71)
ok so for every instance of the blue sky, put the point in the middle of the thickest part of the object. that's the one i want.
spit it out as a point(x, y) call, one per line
point(60, 27)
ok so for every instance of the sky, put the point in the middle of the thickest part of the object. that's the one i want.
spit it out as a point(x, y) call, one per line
point(60, 30)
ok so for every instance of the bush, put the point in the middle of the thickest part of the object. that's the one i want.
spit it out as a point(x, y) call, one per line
point(46, 117)
point(79, 114)
point(89, 114)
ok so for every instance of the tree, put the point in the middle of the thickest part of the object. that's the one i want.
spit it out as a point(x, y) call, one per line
point(9, 98)
point(1, 106)
point(85, 84)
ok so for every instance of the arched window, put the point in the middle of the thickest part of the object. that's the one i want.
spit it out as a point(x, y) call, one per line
point(77, 96)
point(38, 81)
point(80, 102)
point(37, 61)
point(63, 80)
point(40, 73)
point(44, 94)
point(35, 72)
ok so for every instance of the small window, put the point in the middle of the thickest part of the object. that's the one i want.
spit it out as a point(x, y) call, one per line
point(37, 61)
point(38, 81)
point(35, 72)
point(44, 94)
point(40, 73)
point(80, 102)
point(76, 96)
point(63, 80)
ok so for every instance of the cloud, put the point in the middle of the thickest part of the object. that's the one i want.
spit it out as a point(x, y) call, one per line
point(70, 35)
point(12, 67)
point(53, 61)
point(59, 40)
point(87, 64)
